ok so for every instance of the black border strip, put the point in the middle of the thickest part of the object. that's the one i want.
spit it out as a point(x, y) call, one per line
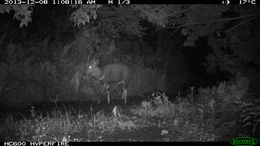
point(116, 143)
point(160, 1)
point(120, 2)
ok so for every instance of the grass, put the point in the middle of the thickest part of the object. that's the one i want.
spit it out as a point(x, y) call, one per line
point(61, 124)
point(156, 119)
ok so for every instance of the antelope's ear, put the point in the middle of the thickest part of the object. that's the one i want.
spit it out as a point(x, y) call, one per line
point(93, 62)
point(96, 61)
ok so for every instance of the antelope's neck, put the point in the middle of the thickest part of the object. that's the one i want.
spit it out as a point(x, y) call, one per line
point(99, 74)
point(101, 78)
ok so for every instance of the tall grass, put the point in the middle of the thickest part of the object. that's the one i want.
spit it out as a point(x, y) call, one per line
point(62, 124)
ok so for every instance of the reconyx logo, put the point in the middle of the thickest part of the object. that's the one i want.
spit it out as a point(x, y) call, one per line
point(243, 141)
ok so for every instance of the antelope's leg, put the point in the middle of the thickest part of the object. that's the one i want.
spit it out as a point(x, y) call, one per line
point(123, 82)
point(98, 100)
point(108, 97)
point(125, 95)
point(104, 86)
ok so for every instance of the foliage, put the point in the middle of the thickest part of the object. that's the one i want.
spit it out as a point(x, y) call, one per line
point(162, 15)
point(73, 125)
point(232, 48)
point(202, 21)
point(188, 118)
point(194, 21)
point(159, 106)
point(84, 14)
point(28, 74)
point(225, 92)
point(105, 20)
point(235, 48)
point(249, 118)
point(100, 32)
point(78, 75)
point(221, 99)
point(231, 102)
point(114, 26)
point(163, 118)
point(60, 125)
point(22, 12)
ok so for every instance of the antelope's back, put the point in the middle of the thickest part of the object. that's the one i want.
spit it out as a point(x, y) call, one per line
point(116, 73)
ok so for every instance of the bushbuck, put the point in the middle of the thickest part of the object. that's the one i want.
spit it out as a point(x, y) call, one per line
point(111, 73)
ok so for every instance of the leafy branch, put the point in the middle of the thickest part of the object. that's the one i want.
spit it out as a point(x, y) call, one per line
point(217, 20)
